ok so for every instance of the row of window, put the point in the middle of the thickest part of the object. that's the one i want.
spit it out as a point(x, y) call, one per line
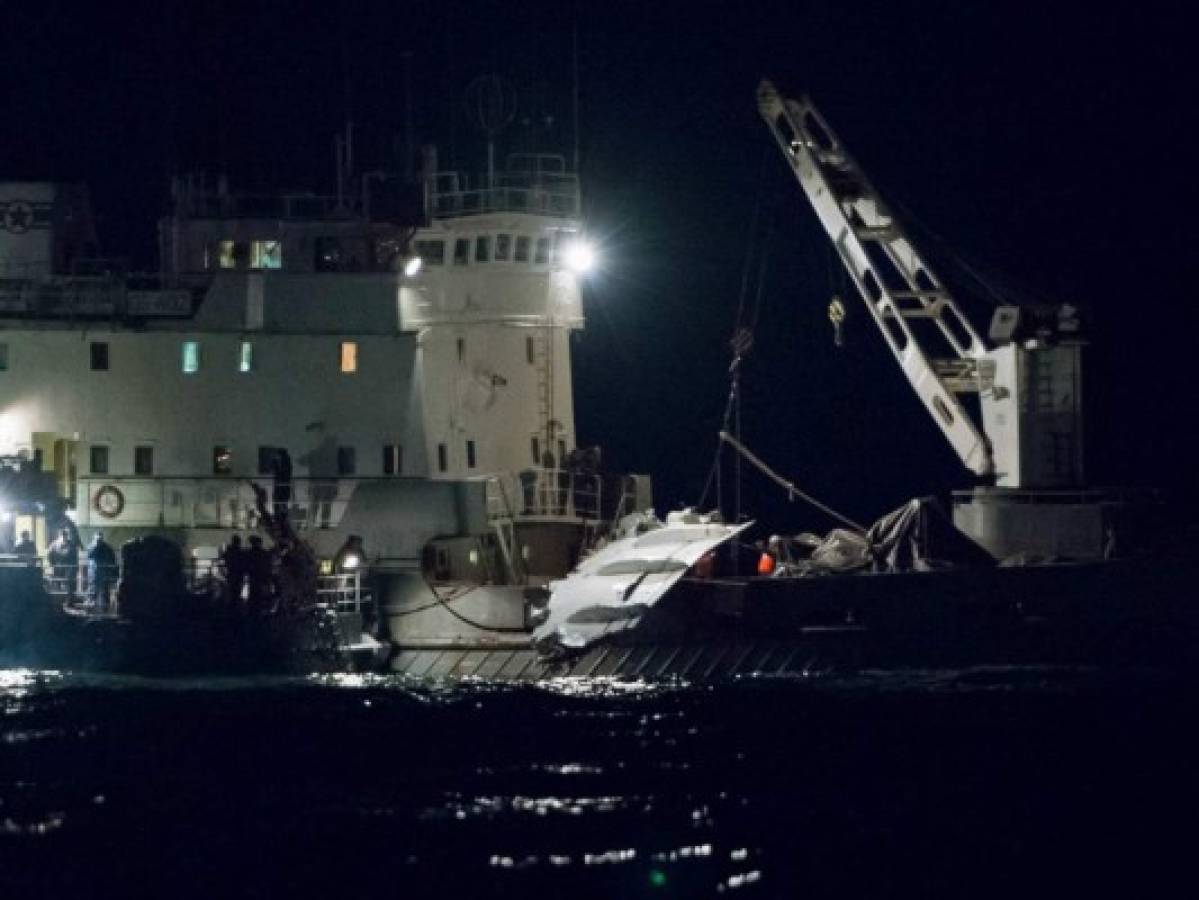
point(347, 356)
point(222, 459)
point(488, 248)
point(243, 255)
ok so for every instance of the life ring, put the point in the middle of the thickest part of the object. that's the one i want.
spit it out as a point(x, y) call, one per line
point(109, 501)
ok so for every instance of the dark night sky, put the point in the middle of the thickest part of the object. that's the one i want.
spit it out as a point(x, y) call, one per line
point(1049, 145)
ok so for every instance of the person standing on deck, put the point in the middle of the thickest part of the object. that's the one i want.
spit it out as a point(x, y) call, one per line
point(25, 547)
point(233, 557)
point(101, 571)
point(63, 557)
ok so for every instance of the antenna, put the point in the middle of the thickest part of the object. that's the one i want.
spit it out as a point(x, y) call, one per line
point(574, 62)
point(408, 136)
point(491, 105)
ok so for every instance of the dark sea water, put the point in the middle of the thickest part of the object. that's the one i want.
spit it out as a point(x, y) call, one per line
point(1010, 783)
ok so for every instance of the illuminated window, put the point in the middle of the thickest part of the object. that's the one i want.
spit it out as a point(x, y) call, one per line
point(461, 251)
point(482, 248)
point(245, 359)
point(222, 460)
point(443, 462)
point(347, 461)
point(349, 356)
point(3, 357)
point(191, 357)
point(266, 255)
point(393, 459)
point(143, 460)
point(522, 247)
point(229, 253)
point(541, 255)
point(470, 454)
point(99, 356)
point(503, 247)
point(98, 459)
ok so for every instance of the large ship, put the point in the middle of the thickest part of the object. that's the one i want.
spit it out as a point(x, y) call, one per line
point(391, 363)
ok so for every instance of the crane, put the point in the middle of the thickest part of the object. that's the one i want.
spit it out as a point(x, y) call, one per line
point(1028, 383)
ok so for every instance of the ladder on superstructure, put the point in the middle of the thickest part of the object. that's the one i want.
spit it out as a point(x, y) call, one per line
point(892, 278)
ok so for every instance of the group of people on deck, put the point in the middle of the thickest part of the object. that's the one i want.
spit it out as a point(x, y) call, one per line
point(62, 562)
point(248, 573)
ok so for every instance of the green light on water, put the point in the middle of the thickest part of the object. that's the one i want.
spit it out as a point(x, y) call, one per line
point(657, 878)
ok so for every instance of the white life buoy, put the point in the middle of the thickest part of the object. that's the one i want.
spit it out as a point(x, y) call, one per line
point(109, 501)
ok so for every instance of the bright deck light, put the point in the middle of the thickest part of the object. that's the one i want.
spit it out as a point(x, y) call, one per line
point(412, 266)
point(580, 256)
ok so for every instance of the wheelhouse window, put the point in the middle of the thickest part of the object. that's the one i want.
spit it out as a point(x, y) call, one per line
point(98, 459)
point(530, 350)
point(482, 249)
point(349, 357)
point(503, 247)
point(222, 460)
point(99, 354)
point(470, 454)
point(3, 356)
point(245, 357)
point(191, 357)
point(541, 255)
point(266, 254)
point(431, 253)
point(229, 254)
point(461, 251)
point(522, 247)
point(347, 461)
point(393, 459)
point(443, 458)
point(143, 460)
point(535, 447)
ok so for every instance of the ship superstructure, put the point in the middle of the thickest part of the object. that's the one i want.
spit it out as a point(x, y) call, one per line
point(396, 363)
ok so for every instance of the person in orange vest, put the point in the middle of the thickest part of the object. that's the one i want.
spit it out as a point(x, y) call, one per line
point(767, 560)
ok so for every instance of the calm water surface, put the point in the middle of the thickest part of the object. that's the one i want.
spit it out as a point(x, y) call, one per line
point(993, 782)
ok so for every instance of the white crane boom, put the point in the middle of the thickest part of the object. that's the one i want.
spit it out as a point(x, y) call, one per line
point(894, 281)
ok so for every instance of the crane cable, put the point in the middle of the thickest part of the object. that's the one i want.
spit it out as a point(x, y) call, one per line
point(791, 489)
point(741, 343)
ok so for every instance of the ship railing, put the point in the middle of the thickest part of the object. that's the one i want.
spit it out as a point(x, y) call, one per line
point(66, 580)
point(342, 592)
point(541, 492)
point(216, 205)
point(537, 192)
point(95, 295)
point(209, 502)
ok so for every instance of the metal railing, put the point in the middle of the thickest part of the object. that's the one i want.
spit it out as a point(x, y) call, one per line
point(342, 592)
point(89, 296)
point(210, 502)
point(541, 492)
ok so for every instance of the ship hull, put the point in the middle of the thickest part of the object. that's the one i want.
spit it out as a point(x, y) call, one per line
point(1119, 614)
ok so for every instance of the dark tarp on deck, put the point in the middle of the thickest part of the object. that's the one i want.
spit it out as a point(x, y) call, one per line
point(917, 536)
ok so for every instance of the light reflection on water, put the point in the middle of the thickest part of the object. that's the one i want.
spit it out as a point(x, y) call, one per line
point(828, 785)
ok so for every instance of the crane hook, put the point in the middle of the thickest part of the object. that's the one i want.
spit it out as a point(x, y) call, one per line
point(836, 315)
